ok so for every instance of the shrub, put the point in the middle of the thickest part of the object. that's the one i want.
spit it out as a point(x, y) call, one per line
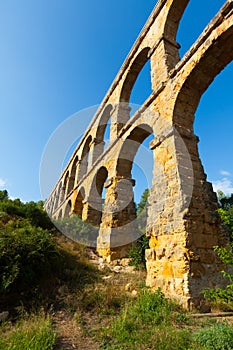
point(78, 230)
point(218, 337)
point(225, 254)
point(137, 252)
point(32, 211)
point(27, 254)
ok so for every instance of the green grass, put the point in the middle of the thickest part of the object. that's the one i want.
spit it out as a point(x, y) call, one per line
point(217, 337)
point(149, 322)
point(35, 333)
point(155, 322)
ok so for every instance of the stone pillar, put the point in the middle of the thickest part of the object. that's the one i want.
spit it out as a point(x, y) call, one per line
point(82, 168)
point(164, 56)
point(92, 211)
point(62, 195)
point(183, 224)
point(120, 116)
point(96, 149)
point(77, 173)
point(118, 228)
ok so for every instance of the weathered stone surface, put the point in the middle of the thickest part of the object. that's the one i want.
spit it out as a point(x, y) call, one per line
point(182, 221)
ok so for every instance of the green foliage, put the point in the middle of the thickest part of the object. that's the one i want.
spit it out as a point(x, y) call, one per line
point(226, 212)
point(27, 254)
point(218, 337)
point(224, 253)
point(146, 323)
point(3, 195)
point(33, 334)
point(27, 250)
point(78, 230)
point(143, 202)
point(137, 252)
point(32, 211)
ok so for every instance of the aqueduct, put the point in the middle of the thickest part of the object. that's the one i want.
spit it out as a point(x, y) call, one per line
point(182, 222)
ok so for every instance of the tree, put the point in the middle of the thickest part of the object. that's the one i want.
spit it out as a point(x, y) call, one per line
point(137, 252)
point(3, 195)
point(143, 201)
point(225, 253)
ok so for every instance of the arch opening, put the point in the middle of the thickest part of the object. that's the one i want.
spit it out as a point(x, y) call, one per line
point(100, 193)
point(142, 88)
point(135, 165)
point(103, 134)
point(214, 126)
point(85, 157)
point(194, 20)
point(67, 211)
point(78, 205)
point(137, 85)
point(72, 177)
point(65, 186)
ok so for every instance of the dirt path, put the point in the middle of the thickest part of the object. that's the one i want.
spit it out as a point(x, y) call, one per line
point(70, 334)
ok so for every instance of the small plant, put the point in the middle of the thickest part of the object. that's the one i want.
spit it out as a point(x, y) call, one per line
point(137, 252)
point(36, 333)
point(146, 320)
point(219, 295)
point(218, 337)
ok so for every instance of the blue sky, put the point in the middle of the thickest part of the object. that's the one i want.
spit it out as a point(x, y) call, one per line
point(58, 57)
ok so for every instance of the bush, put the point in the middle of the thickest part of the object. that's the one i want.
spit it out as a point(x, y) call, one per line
point(27, 254)
point(77, 230)
point(137, 252)
point(218, 337)
point(32, 211)
point(225, 254)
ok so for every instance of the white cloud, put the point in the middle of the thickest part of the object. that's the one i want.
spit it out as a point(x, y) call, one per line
point(225, 173)
point(225, 185)
point(2, 183)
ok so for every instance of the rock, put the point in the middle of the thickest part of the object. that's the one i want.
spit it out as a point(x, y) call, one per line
point(125, 261)
point(134, 293)
point(129, 287)
point(117, 269)
point(62, 290)
point(101, 266)
point(4, 316)
point(106, 277)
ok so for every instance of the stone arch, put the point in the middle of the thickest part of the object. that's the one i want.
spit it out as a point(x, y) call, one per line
point(67, 209)
point(56, 199)
point(133, 73)
point(65, 186)
point(174, 16)
point(103, 123)
point(59, 195)
point(101, 177)
point(130, 148)
point(100, 142)
point(59, 214)
point(71, 182)
point(84, 157)
point(95, 201)
point(218, 55)
point(78, 204)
